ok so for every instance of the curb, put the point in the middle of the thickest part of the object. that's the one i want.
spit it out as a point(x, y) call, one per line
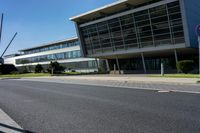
point(120, 86)
point(8, 78)
point(194, 82)
point(124, 80)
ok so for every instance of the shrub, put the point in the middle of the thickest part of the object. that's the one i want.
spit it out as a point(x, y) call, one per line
point(73, 70)
point(15, 72)
point(57, 68)
point(185, 66)
point(7, 69)
point(38, 68)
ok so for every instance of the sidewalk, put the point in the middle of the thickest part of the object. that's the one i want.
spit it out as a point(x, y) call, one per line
point(7, 125)
point(126, 81)
point(128, 78)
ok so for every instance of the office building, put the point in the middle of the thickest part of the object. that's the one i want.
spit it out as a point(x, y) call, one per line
point(66, 52)
point(138, 35)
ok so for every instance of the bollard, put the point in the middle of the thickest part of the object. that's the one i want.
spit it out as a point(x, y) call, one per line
point(162, 69)
point(114, 69)
point(52, 71)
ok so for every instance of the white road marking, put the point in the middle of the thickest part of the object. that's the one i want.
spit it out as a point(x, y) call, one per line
point(163, 91)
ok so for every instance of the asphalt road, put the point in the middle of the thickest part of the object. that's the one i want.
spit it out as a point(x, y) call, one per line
point(66, 108)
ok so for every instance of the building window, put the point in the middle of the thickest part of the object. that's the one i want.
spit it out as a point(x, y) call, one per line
point(54, 47)
point(51, 57)
point(160, 25)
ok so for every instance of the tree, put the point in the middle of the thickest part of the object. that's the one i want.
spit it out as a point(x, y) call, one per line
point(185, 66)
point(55, 68)
point(38, 68)
point(7, 69)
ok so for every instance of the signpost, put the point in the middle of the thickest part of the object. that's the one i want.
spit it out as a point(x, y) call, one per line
point(198, 34)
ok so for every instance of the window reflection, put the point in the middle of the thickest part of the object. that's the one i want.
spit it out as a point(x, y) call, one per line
point(161, 25)
point(54, 47)
point(51, 57)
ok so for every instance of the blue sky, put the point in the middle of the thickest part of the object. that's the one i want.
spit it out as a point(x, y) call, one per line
point(41, 21)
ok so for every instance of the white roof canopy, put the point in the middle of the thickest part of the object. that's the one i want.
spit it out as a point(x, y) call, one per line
point(108, 9)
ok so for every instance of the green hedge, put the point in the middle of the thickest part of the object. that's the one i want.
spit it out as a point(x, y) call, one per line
point(38, 68)
point(185, 66)
point(7, 69)
point(57, 68)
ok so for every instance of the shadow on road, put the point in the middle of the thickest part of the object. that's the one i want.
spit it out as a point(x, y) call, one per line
point(14, 129)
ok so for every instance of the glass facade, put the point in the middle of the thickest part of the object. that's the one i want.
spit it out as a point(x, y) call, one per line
point(81, 65)
point(78, 66)
point(152, 63)
point(50, 57)
point(53, 47)
point(161, 25)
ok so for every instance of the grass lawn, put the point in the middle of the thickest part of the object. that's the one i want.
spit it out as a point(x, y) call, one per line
point(36, 75)
point(24, 75)
point(72, 73)
point(175, 76)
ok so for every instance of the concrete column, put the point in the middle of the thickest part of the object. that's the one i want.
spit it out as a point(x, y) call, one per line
point(122, 35)
point(176, 56)
point(143, 62)
point(199, 55)
point(118, 67)
point(80, 38)
point(97, 63)
point(107, 65)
